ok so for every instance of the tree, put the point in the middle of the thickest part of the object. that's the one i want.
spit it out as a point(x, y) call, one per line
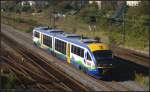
point(144, 7)
point(26, 8)
point(9, 6)
point(141, 9)
point(91, 10)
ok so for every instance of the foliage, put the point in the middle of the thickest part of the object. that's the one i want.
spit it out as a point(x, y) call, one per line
point(143, 80)
point(26, 8)
point(18, 8)
point(29, 30)
point(143, 8)
point(32, 22)
point(63, 6)
point(19, 20)
point(8, 6)
point(135, 19)
point(10, 82)
point(88, 11)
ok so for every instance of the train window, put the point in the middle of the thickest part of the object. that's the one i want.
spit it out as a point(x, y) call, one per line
point(100, 54)
point(77, 50)
point(37, 34)
point(47, 41)
point(60, 46)
point(88, 57)
point(72, 48)
point(82, 53)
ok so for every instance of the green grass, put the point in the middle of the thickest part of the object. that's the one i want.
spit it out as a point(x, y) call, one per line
point(143, 80)
point(17, 21)
point(10, 84)
point(74, 24)
point(28, 30)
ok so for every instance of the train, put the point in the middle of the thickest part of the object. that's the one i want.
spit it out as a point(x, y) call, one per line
point(89, 55)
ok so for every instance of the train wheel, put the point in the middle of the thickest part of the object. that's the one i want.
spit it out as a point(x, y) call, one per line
point(80, 68)
point(54, 54)
point(84, 70)
point(35, 44)
point(50, 52)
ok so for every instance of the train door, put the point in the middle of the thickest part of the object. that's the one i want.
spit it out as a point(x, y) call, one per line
point(88, 60)
point(41, 38)
point(68, 53)
point(53, 44)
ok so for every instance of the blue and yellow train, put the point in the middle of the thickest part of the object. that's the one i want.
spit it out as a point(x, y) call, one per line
point(88, 55)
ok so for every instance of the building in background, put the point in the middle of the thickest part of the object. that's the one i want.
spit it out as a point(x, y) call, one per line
point(133, 3)
point(34, 3)
point(31, 3)
point(115, 3)
point(98, 3)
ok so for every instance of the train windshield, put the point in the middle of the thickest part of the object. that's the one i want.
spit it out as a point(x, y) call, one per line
point(102, 54)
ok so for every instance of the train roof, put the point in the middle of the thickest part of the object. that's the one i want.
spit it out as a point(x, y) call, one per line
point(47, 30)
point(89, 41)
point(41, 28)
point(73, 38)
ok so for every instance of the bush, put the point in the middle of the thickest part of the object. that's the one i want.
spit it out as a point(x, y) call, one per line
point(27, 8)
point(19, 20)
point(32, 22)
point(10, 84)
point(88, 11)
point(143, 80)
point(29, 30)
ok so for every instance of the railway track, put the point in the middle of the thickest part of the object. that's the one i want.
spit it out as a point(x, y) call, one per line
point(33, 76)
point(26, 54)
point(119, 52)
point(19, 75)
point(106, 86)
point(52, 73)
point(40, 63)
point(133, 56)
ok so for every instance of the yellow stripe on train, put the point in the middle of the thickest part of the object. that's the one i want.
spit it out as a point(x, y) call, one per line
point(98, 46)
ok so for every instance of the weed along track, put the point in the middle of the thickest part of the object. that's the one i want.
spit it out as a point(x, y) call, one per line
point(133, 56)
point(29, 77)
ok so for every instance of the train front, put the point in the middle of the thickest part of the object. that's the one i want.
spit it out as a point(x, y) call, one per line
point(103, 58)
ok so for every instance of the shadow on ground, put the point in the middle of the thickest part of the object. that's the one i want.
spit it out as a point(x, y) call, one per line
point(125, 70)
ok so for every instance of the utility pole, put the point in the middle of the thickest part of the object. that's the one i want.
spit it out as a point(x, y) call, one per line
point(50, 16)
point(149, 26)
point(53, 16)
point(123, 34)
point(0, 79)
